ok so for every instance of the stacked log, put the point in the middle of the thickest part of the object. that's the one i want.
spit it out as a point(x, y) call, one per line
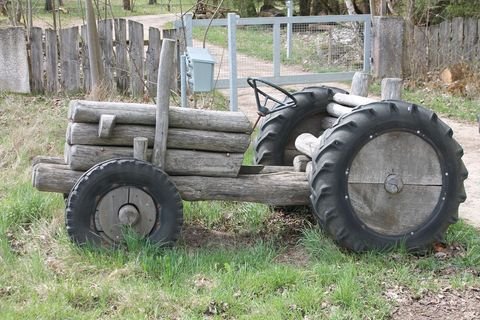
point(200, 142)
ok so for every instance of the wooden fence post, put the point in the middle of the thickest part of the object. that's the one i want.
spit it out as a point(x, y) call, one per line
point(69, 57)
point(51, 60)
point(36, 60)
point(121, 64)
point(152, 60)
point(135, 36)
point(392, 88)
point(163, 102)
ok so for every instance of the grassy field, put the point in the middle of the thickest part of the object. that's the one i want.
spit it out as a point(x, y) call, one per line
point(234, 260)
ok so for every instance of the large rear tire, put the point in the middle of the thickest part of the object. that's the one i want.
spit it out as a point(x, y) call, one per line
point(387, 174)
point(275, 142)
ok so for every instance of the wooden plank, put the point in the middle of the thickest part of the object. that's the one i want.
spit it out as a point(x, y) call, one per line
point(152, 60)
point(121, 54)
point(70, 60)
point(392, 88)
point(420, 61)
point(105, 125)
point(105, 33)
point(144, 114)
point(163, 102)
point(85, 60)
point(288, 188)
point(471, 38)
point(123, 135)
point(393, 214)
point(402, 153)
point(433, 47)
point(444, 42)
point(136, 53)
point(177, 162)
point(174, 76)
point(51, 60)
point(457, 40)
point(36, 60)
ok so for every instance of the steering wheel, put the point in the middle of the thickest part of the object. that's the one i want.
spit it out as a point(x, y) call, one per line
point(291, 102)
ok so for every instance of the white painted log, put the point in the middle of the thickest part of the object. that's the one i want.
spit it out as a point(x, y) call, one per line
point(300, 163)
point(392, 88)
point(123, 135)
point(105, 125)
point(360, 84)
point(337, 110)
point(288, 188)
point(178, 162)
point(351, 100)
point(308, 170)
point(136, 113)
point(165, 68)
point(306, 144)
point(140, 146)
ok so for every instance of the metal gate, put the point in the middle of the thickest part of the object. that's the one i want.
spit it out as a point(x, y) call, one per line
point(283, 50)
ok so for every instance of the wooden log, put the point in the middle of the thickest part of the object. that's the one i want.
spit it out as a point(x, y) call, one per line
point(300, 163)
point(309, 170)
point(123, 135)
point(392, 88)
point(47, 159)
point(36, 60)
point(135, 35)
point(87, 82)
point(105, 125)
point(351, 100)
point(360, 84)
point(105, 31)
point(288, 188)
point(70, 60)
point(152, 60)
point(144, 114)
point(337, 110)
point(306, 143)
point(51, 60)
point(163, 102)
point(121, 53)
point(140, 146)
point(177, 162)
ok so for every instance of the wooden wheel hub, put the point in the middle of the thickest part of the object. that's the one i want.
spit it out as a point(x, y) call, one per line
point(393, 183)
point(128, 215)
point(125, 207)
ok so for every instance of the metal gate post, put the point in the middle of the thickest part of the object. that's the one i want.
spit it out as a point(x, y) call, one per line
point(289, 4)
point(276, 49)
point(232, 60)
point(367, 45)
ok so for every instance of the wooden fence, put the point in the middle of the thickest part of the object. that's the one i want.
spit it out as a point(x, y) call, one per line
point(438, 46)
point(59, 60)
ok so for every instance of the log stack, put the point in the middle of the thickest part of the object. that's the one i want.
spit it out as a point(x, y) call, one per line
point(200, 142)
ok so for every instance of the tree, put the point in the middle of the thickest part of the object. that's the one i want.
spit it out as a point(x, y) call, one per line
point(127, 5)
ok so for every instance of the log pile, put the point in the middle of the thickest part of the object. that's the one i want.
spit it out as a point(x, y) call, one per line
point(200, 142)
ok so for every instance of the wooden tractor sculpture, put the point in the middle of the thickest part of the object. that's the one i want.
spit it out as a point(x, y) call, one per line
point(376, 173)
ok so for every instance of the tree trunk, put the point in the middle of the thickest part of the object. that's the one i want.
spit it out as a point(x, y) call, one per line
point(97, 73)
point(126, 5)
point(48, 5)
point(152, 1)
point(305, 7)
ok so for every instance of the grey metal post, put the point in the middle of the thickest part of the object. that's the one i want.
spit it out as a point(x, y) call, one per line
point(188, 24)
point(276, 49)
point(289, 5)
point(367, 45)
point(232, 61)
point(183, 80)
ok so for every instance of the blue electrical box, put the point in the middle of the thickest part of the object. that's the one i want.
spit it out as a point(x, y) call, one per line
point(200, 65)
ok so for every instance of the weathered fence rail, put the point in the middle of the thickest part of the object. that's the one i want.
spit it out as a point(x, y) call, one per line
point(437, 46)
point(59, 60)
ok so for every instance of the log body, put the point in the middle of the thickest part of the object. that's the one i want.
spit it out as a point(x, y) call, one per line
point(144, 114)
point(123, 135)
point(178, 162)
point(283, 188)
